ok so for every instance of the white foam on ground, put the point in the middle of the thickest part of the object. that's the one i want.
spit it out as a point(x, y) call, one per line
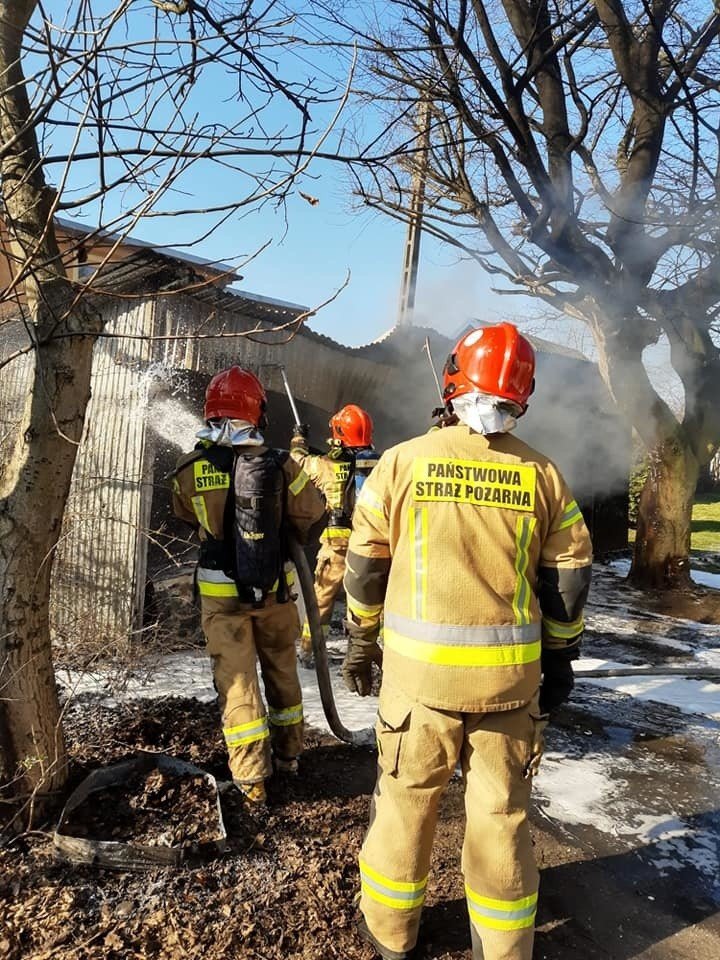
point(577, 790)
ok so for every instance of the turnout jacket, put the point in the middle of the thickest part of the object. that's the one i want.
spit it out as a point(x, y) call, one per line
point(477, 555)
point(201, 484)
point(337, 474)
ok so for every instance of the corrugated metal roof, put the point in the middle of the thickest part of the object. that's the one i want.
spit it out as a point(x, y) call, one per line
point(84, 230)
point(149, 272)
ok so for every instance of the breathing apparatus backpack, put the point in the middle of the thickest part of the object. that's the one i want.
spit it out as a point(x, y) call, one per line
point(366, 459)
point(259, 525)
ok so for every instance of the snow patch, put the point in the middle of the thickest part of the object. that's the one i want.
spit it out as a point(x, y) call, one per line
point(703, 577)
point(674, 844)
point(188, 674)
point(591, 791)
point(689, 696)
point(706, 579)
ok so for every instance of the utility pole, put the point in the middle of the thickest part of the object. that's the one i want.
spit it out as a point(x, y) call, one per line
point(417, 200)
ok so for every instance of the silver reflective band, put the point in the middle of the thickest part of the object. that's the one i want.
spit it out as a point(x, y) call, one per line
point(456, 635)
point(213, 576)
point(388, 891)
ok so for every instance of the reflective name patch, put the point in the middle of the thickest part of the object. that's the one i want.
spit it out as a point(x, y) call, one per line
point(474, 481)
point(208, 478)
point(342, 471)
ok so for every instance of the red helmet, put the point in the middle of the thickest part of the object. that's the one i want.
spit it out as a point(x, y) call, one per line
point(352, 427)
point(496, 360)
point(235, 393)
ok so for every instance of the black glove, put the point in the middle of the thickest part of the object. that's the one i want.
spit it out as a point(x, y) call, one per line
point(558, 679)
point(301, 431)
point(363, 651)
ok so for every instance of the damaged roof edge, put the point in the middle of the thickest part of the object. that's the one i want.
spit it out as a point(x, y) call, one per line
point(99, 233)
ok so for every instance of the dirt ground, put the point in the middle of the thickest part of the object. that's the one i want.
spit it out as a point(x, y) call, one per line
point(285, 887)
point(629, 864)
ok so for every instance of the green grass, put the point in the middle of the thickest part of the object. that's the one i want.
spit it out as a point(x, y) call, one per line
point(706, 523)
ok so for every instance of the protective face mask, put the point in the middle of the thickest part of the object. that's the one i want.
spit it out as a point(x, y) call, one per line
point(485, 414)
point(231, 433)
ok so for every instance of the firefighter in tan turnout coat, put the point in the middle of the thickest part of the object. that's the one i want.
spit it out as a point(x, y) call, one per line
point(242, 497)
point(339, 475)
point(472, 545)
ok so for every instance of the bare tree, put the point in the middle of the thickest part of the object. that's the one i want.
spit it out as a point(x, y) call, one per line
point(574, 154)
point(114, 102)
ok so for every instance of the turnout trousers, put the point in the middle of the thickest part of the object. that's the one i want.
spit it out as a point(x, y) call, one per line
point(237, 635)
point(418, 749)
point(329, 573)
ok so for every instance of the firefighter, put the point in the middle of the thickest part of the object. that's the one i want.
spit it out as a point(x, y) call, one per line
point(471, 544)
point(243, 497)
point(339, 475)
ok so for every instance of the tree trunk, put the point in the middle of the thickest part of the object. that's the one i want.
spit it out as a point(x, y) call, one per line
point(36, 478)
point(662, 543)
point(36, 483)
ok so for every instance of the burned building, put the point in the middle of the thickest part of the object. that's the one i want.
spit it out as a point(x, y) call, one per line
point(159, 348)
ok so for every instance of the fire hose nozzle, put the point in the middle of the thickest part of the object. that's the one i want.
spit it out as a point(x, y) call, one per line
point(288, 391)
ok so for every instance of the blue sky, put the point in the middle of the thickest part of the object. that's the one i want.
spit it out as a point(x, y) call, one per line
point(310, 255)
point(310, 261)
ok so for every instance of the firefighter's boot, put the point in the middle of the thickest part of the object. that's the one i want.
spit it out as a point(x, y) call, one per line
point(305, 655)
point(383, 952)
point(254, 793)
point(286, 766)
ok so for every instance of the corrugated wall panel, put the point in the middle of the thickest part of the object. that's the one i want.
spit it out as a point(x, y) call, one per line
point(95, 571)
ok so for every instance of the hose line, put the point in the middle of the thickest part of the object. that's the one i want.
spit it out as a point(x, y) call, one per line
point(358, 738)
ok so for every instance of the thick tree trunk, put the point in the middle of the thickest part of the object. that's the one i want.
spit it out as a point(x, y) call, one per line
point(36, 478)
point(32, 501)
point(662, 544)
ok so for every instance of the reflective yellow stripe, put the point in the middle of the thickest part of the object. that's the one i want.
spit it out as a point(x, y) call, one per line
point(523, 591)
point(362, 609)
point(306, 630)
point(462, 656)
point(299, 483)
point(563, 631)
point(501, 914)
point(206, 589)
point(571, 515)
point(418, 530)
point(289, 580)
point(201, 512)
point(248, 732)
point(339, 532)
point(397, 894)
point(389, 900)
point(286, 717)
